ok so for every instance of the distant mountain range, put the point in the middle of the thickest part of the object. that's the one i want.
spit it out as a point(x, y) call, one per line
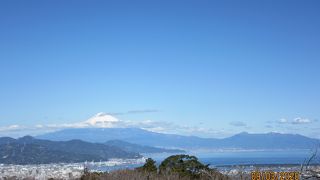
point(106, 143)
point(130, 147)
point(28, 150)
point(266, 141)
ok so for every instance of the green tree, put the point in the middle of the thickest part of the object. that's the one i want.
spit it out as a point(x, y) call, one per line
point(184, 165)
point(149, 166)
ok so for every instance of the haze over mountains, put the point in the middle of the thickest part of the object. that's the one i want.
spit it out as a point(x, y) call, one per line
point(130, 147)
point(244, 140)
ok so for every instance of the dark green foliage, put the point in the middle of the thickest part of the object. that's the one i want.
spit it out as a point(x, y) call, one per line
point(184, 165)
point(15, 153)
point(28, 150)
point(178, 167)
point(149, 166)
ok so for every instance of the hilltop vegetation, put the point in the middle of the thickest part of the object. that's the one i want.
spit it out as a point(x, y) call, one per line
point(15, 153)
point(177, 167)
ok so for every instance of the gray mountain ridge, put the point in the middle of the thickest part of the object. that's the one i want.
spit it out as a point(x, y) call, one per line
point(130, 147)
point(268, 141)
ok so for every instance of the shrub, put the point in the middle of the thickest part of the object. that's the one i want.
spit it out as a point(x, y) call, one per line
point(149, 166)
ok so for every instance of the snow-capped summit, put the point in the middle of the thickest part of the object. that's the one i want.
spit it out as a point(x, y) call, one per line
point(102, 120)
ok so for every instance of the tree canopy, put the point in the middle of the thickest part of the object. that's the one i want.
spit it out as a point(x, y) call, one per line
point(184, 165)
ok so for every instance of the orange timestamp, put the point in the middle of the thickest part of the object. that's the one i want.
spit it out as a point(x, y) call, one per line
point(271, 175)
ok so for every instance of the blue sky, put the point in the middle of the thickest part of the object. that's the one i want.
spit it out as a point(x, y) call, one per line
point(214, 67)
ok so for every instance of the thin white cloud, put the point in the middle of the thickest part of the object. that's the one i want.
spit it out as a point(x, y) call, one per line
point(103, 120)
point(283, 121)
point(295, 121)
point(13, 127)
point(143, 111)
point(238, 124)
point(301, 121)
point(268, 126)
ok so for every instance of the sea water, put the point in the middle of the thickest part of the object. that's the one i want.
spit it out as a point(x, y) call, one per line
point(221, 159)
point(253, 157)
